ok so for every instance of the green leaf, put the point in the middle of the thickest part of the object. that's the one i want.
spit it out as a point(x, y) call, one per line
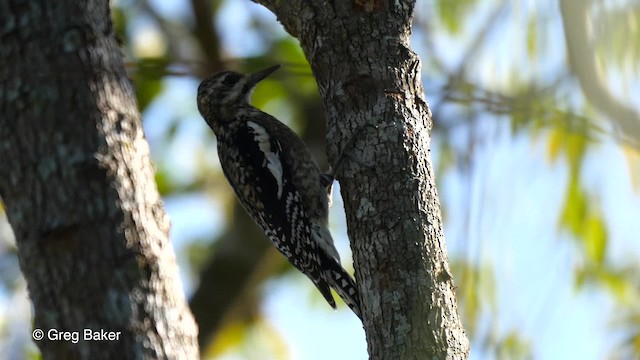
point(532, 37)
point(575, 208)
point(619, 284)
point(148, 80)
point(595, 239)
point(580, 274)
point(230, 336)
point(477, 291)
point(162, 181)
point(452, 13)
point(120, 21)
point(512, 346)
point(556, 138)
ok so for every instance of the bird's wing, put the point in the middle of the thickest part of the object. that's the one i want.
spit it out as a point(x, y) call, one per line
point(261, 177)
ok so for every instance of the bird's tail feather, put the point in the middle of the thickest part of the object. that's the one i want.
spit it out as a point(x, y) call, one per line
point(343, 283)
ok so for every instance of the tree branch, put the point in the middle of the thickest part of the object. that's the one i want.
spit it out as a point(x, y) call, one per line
point(582, 59)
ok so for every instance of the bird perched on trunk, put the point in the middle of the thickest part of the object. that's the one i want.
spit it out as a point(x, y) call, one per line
point(276, 179)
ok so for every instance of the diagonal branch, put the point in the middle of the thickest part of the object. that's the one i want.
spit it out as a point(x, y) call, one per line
point(582, 59)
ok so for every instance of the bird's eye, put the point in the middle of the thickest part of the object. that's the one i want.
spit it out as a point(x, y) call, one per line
point(231, 79)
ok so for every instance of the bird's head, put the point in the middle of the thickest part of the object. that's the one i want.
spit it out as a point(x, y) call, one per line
point(221, 93)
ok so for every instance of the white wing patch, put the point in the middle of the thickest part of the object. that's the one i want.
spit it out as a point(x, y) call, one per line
point(261, 136)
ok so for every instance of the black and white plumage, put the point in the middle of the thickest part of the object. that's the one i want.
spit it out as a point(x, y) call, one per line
point(276, 179)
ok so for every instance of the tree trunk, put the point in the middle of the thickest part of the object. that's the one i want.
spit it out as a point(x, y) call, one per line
point(79, 189)
point(370, 82)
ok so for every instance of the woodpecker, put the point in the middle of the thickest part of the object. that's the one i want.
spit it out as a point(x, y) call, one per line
point(276, 179)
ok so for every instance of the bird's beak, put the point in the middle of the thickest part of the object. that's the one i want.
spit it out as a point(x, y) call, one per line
point(255, 78)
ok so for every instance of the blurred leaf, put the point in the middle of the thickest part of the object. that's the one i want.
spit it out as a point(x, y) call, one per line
point(575, 208)
point(476, 289)
point(275, 342)
point(148, 80)
point(162, 181)
point(146, 91)
point(290, 50)
point(453, 12)
point(512, 347)
point(299, 80)
point(532, 37)
point(630, 321)
point(568, 138)
point(595, 239)
point(33, 354)
point(634, 344)
point(232, 335)
point(585, 223)
point(617, 29)
point(618, 283)
point(445, 162)
point(555, 144)
point(466, 290)
point(267, 91)
point(199, 253)
point(576, 145)
point(489, 286)
point(255, 340)
point(120, 21)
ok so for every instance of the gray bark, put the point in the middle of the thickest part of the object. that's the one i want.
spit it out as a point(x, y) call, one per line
point(369, 80)
point(79, 188)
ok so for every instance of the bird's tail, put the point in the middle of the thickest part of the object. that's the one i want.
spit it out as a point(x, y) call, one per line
point(343, 283)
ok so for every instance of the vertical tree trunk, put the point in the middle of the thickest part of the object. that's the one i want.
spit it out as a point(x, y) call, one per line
point(370, 82)
point(79, 188)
